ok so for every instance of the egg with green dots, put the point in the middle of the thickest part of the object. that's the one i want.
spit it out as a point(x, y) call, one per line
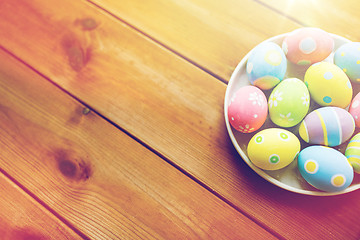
point(289, 102)
point(273, 148)
point(328, 85)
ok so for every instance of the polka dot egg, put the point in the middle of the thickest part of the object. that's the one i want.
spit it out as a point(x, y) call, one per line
point(355, 109)
point(352, 152)
point(306, 46)
point(247, 110)
point(347, 57)
point(273, 148)
point(266, 65)
point(325, 168)
point(328, 85)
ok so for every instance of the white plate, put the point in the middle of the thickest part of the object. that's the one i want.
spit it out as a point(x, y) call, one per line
point(288, 178)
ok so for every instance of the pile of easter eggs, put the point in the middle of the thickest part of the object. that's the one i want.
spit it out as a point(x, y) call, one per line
point(328, 85)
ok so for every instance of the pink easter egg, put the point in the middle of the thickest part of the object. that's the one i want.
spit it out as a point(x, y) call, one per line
point(306, 46)
point(248, 109)
point(355, 109)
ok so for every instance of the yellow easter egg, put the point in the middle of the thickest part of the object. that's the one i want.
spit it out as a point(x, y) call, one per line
point(328, 85)
point(273, 148)
point(352, 152)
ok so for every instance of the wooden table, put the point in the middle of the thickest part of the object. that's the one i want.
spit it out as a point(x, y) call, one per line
point(112, 126)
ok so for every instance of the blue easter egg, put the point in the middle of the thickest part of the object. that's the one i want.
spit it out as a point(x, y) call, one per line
point(266, 65)
point(325, 168)
point(347, 57)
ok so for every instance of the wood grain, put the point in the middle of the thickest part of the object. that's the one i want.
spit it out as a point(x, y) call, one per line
point(215, 35)
point(339, 17)
point(145, 89)
point(98, 178)
point(22, 218)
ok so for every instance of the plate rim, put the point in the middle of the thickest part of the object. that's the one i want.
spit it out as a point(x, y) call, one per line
point(259, 171)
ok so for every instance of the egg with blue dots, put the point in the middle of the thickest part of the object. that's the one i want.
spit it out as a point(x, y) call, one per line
point(305, 46)
point(266, 65)
point(347, 57)
point(328, 85)
point(325, 168)
point(273, 148)
point(352, 152)
point(328, 126)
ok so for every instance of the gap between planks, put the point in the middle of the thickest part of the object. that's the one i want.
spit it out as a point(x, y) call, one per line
point(148, 147)
point(281, 13)
point(38, 200)
point(177, 53)
point(19, 54)
point(158, 42)
point(206, 70)
point(173, 164)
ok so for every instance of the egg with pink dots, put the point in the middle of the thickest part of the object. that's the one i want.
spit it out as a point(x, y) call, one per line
point(308, 45)
point(248, 109)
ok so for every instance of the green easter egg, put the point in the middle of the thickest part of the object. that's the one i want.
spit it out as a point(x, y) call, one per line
point(289, 102)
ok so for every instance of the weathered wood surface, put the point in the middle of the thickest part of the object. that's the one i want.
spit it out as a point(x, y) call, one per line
point(22, 218)
point(213, 34)
point(162, 100)
point(107, 185)
point(338, 17)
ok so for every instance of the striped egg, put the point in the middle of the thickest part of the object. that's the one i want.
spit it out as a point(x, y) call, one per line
point(352, 152)
point(329, 126)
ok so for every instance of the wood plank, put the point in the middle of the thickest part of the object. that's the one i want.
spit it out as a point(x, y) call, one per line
point(99, 179)
point(23, 218)
point(214, 34)
point(145, 90)
point(339, 17)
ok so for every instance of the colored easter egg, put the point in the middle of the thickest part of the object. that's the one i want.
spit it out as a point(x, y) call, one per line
point(329, 126)
point(273, 148)
point(289, 102)
point(354, 109)
point(306, 46)
point(325, 168)
point(347, 57)
point(328, 85)
point(352, 152)
point(247, 110)
point(266, 65)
